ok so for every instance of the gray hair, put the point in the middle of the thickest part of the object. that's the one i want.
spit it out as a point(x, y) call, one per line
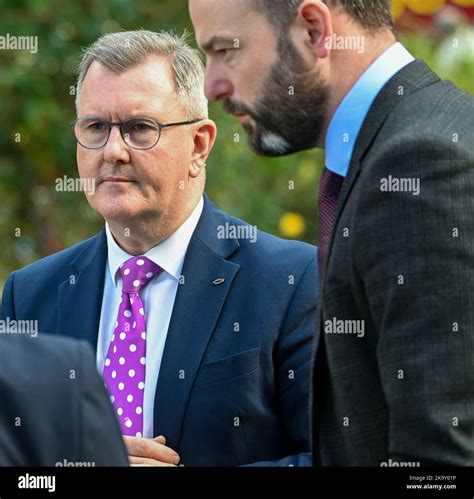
point(124, 50)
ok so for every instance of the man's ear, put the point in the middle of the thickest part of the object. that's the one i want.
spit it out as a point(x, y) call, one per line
point(204, 139)
point(315, 18)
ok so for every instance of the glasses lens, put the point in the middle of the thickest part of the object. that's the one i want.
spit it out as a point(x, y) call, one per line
point(91, 132)
point(141, 133)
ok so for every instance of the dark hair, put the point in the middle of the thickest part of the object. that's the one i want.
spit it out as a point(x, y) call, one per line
point(371, 14)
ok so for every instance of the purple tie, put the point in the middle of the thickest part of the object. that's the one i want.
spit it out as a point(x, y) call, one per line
point(124, 370)
point(329, 190)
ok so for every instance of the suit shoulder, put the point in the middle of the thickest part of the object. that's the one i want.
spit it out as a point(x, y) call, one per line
point(272, 245)
point(57, 260)
point(435, 112)
point(54, 353)
point(261, 246)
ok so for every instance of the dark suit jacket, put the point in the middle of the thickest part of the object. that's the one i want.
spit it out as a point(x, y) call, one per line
point(233, 387)
point(404, 265)
point(54, 409)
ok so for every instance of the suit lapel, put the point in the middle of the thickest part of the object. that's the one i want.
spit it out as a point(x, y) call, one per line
point(207, 279)
point(412, 77)
point(80, 296)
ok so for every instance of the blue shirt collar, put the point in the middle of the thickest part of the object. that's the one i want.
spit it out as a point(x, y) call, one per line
point(350, 115)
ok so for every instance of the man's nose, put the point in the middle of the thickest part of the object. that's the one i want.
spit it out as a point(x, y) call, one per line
point(217, 87)
point(116, 150)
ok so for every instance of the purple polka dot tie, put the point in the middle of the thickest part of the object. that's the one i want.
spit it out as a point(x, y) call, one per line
point(124, 370)
point(329, 190)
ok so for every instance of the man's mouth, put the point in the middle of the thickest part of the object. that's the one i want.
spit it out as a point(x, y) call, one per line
point(117, 179)
point(233, 109)
point(241, 117)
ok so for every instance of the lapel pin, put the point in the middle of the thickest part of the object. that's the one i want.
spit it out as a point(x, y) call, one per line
point(218, 281)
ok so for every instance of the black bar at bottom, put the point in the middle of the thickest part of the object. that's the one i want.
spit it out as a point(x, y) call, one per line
point(293, 482)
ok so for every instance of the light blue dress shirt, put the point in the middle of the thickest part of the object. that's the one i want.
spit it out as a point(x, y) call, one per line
point(350, 115)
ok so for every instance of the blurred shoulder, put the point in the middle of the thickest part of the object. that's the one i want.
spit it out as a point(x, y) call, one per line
point(45, 353)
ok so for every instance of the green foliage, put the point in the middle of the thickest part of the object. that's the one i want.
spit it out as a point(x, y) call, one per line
point(37, 145)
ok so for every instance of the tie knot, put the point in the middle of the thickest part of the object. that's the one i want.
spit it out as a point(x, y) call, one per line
point(137, 272)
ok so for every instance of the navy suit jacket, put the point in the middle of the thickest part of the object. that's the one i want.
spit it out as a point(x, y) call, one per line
point(233, 386)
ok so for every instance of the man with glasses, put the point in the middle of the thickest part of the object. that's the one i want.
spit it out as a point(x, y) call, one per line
point(143, 133)
point(202, 324)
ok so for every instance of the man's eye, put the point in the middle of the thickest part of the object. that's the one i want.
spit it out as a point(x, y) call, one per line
point(96, 127)
point(141, 127)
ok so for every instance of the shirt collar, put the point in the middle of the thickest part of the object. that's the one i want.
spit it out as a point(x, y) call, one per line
point(350, 115)
point(169, 254)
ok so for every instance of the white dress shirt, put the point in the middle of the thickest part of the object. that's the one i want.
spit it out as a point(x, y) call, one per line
point(158, 299)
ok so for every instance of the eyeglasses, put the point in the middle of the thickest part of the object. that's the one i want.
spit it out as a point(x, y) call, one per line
point(137, 132)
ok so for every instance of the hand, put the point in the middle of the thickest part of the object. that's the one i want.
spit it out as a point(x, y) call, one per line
point(150, 452)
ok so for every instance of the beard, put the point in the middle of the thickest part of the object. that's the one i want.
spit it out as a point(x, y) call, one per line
point(289, 116)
